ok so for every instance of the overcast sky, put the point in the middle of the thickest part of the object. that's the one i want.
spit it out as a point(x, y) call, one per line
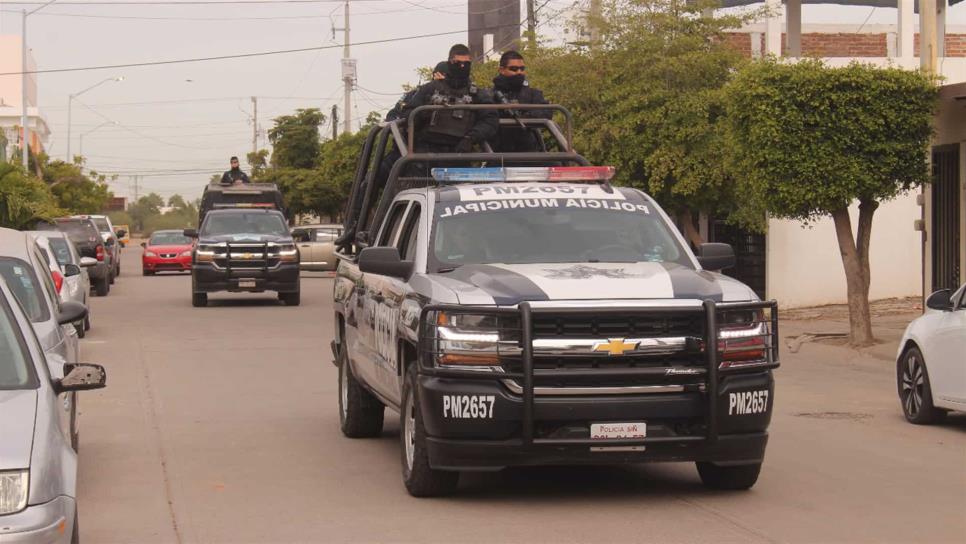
point(192, 117)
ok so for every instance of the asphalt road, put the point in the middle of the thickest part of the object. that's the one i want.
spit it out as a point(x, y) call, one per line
point(220, 424)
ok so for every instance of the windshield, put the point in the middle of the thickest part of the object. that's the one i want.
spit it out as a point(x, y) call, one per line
point(169, 239)
point(586, 227)
point(259, 223)
point(79, 230)
point(61, 250)
point(22, 281)
point(15, 369)
point(102, 224)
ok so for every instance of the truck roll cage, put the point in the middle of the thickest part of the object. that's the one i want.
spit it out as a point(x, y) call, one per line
point(363, 211)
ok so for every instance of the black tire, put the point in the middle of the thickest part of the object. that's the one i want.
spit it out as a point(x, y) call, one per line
point(420, 478)
point(361, 415)
point(111, 275)
point(75, 532)
point(731, 478)
point(87, 319)
point(102, 286)
point(74, 433)
point(199, 300)
point(915, 391)
point(291, 299)
point(81, 331)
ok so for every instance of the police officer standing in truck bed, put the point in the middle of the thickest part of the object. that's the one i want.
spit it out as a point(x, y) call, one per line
point(510, 86)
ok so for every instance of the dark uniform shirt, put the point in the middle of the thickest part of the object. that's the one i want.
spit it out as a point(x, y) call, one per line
point(515, 138)
point(442, 130)
point(232, 176)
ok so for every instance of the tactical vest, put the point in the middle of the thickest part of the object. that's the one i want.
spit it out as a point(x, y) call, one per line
point(450, 124)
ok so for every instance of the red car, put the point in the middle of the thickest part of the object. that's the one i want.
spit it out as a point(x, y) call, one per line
point(166, 251)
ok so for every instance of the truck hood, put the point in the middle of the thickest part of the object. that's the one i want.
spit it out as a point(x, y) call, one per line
point(509, 284)
point(246, 237)
point(18, 410)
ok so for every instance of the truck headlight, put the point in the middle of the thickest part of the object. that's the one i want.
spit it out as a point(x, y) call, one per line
point(13, 490)
point(743, 339)
point(288, 253)
point(205, 254)
point(474, 342)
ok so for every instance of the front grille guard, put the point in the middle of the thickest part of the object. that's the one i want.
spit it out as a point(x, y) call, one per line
point(714, 346)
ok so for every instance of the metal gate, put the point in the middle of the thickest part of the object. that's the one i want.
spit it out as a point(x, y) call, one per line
point(946, 243)
point(749, 253)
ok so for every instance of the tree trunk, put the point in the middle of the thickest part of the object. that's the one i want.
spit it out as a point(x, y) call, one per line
point(855, 261)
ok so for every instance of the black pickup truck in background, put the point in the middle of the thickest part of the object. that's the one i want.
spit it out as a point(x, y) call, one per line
point(243, 244)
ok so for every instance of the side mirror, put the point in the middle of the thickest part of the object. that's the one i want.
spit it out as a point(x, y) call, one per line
point(940, 300)
point(121, 233)
point(715, 256)
point(71, 269)
point(71, 312)
point(109, 242)
point(81, 377)
point(88, 262)
point(384, 261)
point(190, 233)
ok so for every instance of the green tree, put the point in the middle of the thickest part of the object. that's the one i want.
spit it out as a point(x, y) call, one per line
point(258, 161)
point(147, 206)
point(24, 200)
point(177, 202)
point(806, 141)
point(295, 139)
point(74, 190)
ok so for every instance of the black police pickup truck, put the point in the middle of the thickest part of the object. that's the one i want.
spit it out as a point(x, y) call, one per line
point(243, 245)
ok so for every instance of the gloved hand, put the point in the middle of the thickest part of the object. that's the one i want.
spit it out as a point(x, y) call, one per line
point(465, 145)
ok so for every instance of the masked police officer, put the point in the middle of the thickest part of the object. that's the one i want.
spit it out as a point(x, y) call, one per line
point(439, 72)
point(510, 86)
point(235, 175)
point(452, 130)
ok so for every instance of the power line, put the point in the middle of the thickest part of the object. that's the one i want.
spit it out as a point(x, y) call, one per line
point(235, 56)
point(190, 2)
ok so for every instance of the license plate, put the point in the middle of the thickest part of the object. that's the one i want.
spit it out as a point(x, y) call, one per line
point(246, 283)
point(617, 431)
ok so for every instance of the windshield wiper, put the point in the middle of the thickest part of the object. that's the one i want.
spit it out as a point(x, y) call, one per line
point(446, 269)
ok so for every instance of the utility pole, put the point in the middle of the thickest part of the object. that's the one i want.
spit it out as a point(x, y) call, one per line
point(254, 124)
point(928, 49)
point(25, 142)
point(335, 122)
point(531, 25)
point(348, 73)
point(593, 22)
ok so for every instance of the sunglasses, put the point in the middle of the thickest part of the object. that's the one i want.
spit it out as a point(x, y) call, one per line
point(517, 68)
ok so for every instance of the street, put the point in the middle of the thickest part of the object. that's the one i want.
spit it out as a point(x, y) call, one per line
point(220, 424)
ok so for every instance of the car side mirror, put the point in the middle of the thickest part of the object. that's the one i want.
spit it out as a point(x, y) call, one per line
point(109, 242)
point(71, 269)
point(88, 262)
point(81, 377)
point(121, 233)
point(71, 312)
point(190, 233)
point(940, 300)
point(384, 261)
point(715, 256)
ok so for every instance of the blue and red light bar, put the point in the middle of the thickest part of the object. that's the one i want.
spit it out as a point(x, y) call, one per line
point(524, 173)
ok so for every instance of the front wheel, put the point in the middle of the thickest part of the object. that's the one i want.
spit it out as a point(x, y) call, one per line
point(199, 300)
point(291, 299)
point(732, 478)
point(75, 532)
point(420, 478)
point(361, 414)
point(915, 391)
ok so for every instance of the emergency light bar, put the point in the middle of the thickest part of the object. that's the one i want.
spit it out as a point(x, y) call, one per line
point(524, 173)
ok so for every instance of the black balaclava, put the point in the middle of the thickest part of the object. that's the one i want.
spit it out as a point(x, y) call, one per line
point(459, 74)
point(509, 83)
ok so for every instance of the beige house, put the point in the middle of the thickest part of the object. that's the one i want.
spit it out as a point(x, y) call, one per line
point(10, 99)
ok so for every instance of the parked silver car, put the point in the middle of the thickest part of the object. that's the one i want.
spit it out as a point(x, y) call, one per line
point(317, 246)
point(63, 257)
point(38, 466)
point(28, 277)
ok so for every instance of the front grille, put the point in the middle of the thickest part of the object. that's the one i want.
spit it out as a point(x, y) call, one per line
point(634, 326)
point(247, 256)
point(167, 255)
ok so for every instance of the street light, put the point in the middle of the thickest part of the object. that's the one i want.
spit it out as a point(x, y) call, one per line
point(70, 102)
point(98, 127)
point(25, 144)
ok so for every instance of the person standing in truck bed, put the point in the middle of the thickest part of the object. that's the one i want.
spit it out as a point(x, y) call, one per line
point(235, 175)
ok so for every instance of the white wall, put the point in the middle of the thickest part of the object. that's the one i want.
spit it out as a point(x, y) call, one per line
point(804, 266)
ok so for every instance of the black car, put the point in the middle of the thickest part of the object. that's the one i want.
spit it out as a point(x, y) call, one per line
point(87, 238)
point(244, 250)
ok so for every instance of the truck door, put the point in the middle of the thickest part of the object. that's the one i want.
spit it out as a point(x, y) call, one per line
point(375, 313)
point(395, 292)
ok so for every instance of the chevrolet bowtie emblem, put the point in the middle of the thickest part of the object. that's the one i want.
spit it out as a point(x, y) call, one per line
point(616, 346)
point(247, 256)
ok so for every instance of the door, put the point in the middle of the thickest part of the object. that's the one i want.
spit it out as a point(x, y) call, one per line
point(325, 238)
point(948, 380)
point(303, 237)
point(946, 243)
point(374, 367)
